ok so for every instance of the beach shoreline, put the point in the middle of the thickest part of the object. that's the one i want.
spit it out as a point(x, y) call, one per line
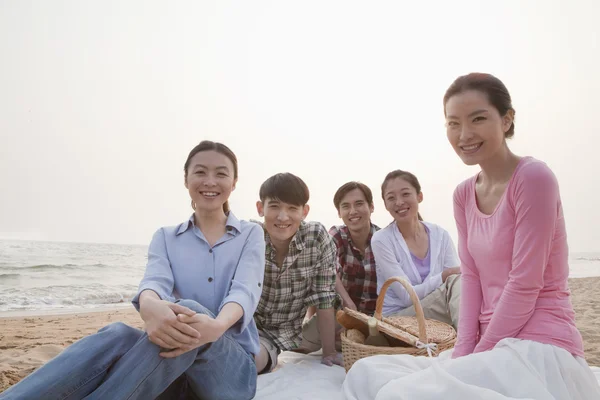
point(29, 339)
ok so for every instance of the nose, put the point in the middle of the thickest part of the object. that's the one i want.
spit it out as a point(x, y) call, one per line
point(466, 133)
point(209, 181)
point(282, 216)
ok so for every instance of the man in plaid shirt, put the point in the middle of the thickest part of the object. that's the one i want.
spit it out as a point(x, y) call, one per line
point(300, 266)
point(356, 276)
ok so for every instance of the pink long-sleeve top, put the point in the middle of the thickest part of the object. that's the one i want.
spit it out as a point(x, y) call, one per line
point(514, 265)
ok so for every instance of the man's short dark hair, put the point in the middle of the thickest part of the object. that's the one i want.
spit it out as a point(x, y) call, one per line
point(347, 188)
point(285, 187)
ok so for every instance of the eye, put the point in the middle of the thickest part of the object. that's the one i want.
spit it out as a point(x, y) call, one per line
point(222, 174)
point(273, 206)
point(452, 123)
point(199, 172)
point(479, 119)
point(391, 198)
point(293, 208)
point(406, 194)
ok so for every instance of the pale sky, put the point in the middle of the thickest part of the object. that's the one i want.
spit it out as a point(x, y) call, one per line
point(100, 102)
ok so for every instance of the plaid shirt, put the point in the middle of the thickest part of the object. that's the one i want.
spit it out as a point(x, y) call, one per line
point(306, 278)
point(357, 273)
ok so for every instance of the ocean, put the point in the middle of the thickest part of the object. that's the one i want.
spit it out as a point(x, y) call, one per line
point(55, 276)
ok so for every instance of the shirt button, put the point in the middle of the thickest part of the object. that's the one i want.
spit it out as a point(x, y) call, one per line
point(258, 284)
point(210, 279)
point(210, 251)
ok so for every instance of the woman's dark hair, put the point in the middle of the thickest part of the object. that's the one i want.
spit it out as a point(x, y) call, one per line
point(285, 187)
point(493, 87)
point(207, 145)
point(408, 177)
point(347, 188)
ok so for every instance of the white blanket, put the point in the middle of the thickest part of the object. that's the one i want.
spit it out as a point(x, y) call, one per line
point(304, 377)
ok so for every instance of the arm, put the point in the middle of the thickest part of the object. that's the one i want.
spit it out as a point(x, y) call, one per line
point(335, 234)
point(322, 294)
point(158, 276)
point(341, 290)
point(471, 296)
point(237, 308)
point(387, 267)
point(159, 315)
point(536, 202)
point(246, 286)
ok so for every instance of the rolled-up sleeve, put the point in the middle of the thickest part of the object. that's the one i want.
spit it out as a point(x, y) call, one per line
point(246, 286)
point(322, 293)
point(158, 276)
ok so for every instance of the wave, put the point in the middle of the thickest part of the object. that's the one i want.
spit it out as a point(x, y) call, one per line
point(65, 297)
point(52, 267)
point(587, 258)
point(8, 276)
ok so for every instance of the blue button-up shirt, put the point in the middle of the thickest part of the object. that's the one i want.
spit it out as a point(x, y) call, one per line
point(182, 265)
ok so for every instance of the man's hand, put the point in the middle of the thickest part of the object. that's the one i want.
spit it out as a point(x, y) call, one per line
point(163, 327)
point(450, 271)
point(331, 359)
point(210, 330)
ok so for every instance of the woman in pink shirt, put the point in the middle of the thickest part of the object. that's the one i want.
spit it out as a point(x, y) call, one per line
point(516, 334)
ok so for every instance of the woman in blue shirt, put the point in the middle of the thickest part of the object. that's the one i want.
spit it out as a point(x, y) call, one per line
point(202, 284)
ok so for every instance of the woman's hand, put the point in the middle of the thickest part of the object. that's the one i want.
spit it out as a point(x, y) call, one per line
point(210, 330)
point(450, 271)
point(163, 327)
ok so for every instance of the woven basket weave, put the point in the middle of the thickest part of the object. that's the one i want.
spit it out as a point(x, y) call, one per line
point(413, 331)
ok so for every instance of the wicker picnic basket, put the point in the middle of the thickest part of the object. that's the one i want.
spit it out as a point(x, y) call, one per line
point(417, 336)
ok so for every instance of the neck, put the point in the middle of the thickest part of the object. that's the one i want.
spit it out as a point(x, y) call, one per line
point(209, 218)
point(500, 167)
point(360, 236)
point(281, 246)
point(410, 229)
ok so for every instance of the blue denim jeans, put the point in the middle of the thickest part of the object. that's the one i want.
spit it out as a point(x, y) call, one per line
point(120, 362)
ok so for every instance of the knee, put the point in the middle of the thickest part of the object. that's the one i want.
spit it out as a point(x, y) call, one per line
point(195, 306)
point(120, 330)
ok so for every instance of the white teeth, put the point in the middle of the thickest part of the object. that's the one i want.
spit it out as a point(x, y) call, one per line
point(354, 219)
point(282, 226)
point(471, 147)
point(210, 194)
point(403, 211)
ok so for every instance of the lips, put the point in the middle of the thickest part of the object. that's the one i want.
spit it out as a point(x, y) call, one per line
point(282, 226)
point(402, 212)
point(209, 195)
point(472, 148)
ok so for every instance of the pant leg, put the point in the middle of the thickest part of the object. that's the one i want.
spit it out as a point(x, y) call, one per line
point(79, 369)
point(441, 305)
point(222, 367)
point(311, 337)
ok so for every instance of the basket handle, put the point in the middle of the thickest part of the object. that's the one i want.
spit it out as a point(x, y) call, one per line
point(413, 297)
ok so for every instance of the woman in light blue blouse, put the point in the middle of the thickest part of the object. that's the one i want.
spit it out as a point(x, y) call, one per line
point(202, 284)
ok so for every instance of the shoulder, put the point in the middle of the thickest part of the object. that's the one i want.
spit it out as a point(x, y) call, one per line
point(534, 172)
point(314, 231)
point(463, 188)
point(251, 228)
point(383, 235)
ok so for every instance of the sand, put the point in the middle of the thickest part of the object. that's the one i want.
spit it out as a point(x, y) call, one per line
point(26, 342)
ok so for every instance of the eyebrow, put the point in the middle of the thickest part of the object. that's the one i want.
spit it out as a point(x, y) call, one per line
point(205, 167)
point(470, 115)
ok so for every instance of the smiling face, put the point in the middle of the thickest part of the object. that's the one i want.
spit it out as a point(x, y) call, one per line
point(281, 220)
point(401, 200)
point(475, 128)
point(355, 211)
point(210, 180)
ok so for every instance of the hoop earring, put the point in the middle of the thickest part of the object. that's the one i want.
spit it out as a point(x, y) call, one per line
point(193, 205)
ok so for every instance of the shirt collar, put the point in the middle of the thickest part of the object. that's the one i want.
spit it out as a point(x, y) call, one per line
point(232, 223)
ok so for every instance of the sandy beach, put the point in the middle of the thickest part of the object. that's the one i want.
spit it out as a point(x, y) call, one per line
point(26, 342)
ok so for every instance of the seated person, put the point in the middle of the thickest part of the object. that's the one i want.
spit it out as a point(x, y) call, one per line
point(356, 281)
point(419, 251)
point(197, 297)
point(517, 337)
point(300, 266)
